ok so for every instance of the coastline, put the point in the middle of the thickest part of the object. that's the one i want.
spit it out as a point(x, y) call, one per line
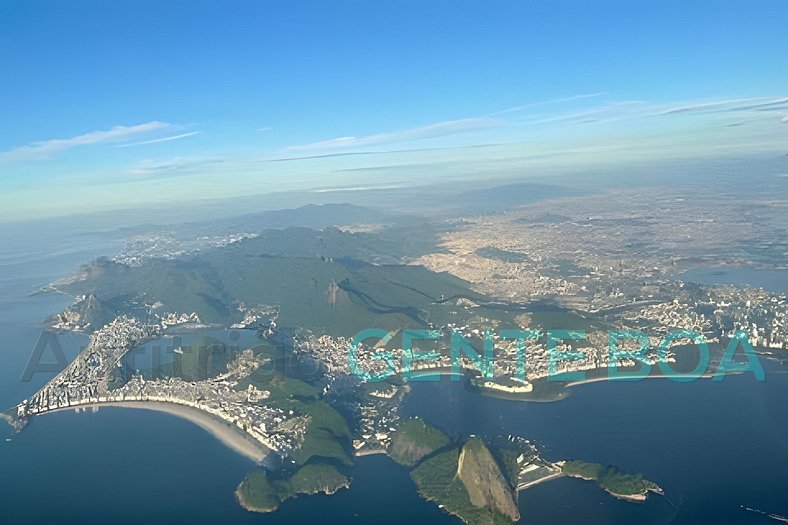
point(239, 498)
point(228, 435)
point(8, 419)
point(634, 498)
point(638, 497)
point(374, 452)
point(705, 375)
point(281, 497)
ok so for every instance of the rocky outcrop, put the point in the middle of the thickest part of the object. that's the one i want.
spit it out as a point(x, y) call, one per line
point(483, 480)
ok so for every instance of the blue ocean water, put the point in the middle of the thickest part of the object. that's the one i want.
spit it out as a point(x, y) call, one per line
point(712, 446)
point(126, 466)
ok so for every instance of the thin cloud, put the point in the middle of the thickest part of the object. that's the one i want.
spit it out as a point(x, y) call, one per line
point(174, 167)
point(45, 149)
point(606, 112)
point(719, 105)
point(546, 103)
point(358, 188)
point(438, 129)
point(264, 129)
point(610, 111)
point(164, 139)
point(772, 105)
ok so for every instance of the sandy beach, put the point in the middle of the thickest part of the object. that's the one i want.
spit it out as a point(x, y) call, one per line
point(524, 486)
point(362, 453)
point(232, 437)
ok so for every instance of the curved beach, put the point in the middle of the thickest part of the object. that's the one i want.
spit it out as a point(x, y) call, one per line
point(232, 437)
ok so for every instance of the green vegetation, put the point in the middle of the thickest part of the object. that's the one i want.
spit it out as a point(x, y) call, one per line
point(497, 254)
point(327, 436)
point(544, 390)
point(414, 440)
point(582, 469)
point(181, 285)
point(536, 474)
point(384, 247)
point(508, 460)
point(281, 386)
point(611, 479)
point(553, 317)
point(202, 358)
point(485, 482)
point(472, 491)
point(258, 493)
point(319, 279)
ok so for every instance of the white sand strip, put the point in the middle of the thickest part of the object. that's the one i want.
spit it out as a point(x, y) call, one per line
point(231, 436)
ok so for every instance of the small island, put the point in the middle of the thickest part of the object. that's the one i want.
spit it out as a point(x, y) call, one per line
point(467, 482)
point(630, 487)
point(258, 492)
point(478, 481)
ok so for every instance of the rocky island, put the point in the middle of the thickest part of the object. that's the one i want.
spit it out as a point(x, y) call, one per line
point(478, 482)
point(258, 492)
point(467, 482)
point(630, 487)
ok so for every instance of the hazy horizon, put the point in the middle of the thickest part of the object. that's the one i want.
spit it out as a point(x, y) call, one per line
point(117, 107)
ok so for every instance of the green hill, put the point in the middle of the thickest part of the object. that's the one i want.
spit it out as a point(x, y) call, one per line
point(320, 280)
point(259, 493)
point(612, 480)
point(415, 440)
point(469, 484)
point(486, 485)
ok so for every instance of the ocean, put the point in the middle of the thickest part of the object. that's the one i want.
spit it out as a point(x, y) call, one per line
point(713, 447)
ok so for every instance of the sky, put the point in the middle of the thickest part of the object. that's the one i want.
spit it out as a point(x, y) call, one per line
point(110, 105)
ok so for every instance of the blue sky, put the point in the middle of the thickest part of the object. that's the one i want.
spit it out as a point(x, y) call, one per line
point(114, 104)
